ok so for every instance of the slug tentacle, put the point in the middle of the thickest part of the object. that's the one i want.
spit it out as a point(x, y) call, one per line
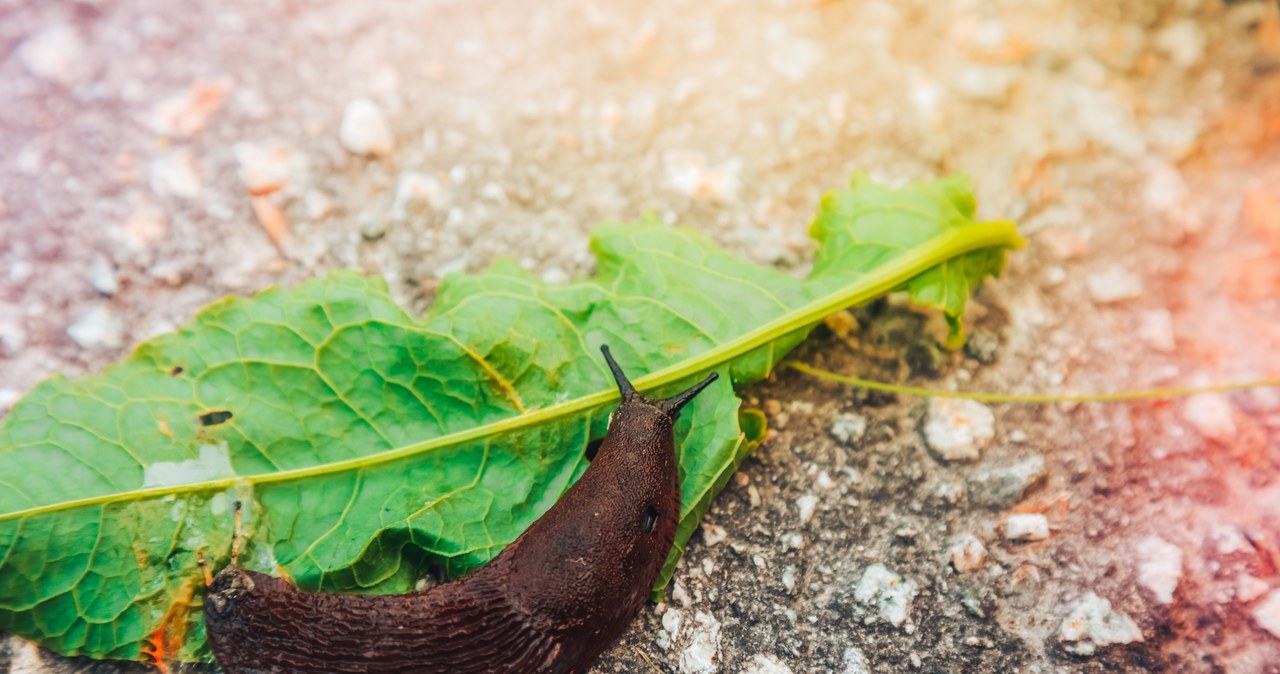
point(551, 602)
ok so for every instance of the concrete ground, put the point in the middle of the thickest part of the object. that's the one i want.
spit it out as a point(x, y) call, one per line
point(155, 156)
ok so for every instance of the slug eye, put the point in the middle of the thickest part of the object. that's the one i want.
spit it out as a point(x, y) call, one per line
point(650, 518)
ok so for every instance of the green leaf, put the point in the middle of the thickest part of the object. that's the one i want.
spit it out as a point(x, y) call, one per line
point(370, 447)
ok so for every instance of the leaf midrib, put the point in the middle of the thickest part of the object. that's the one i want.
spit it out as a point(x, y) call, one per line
point(950, 244)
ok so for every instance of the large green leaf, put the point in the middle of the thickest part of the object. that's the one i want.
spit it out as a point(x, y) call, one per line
point(370, 447)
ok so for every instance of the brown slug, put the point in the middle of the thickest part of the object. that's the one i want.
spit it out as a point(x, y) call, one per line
point(551, 601)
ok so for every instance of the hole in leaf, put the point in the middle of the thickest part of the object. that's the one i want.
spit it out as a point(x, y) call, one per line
point(592, 448)
point(214, 418)
point(650, 518)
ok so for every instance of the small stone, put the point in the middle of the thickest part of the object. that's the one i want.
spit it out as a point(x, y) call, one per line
point(98, 329)
point(986, 84)
point(364, 130)
point(1101, 116)
point(264, 167)
point(318, 205)
point(713, 534)
point(791, 56)
point(184, 114)
point(671, 621)
point(1159, 567)
point(958, 429)
point(982, 347)
point(1177, 138)
point(1114, 284)
point(56, 53)
point(765, 664)
point(701, 651)
point(174, 174)
point(914, 660)
point(848, 427)
point(1124, 45)
point(680, 595)
point(886, 593)
point(968, 554)
point(1005, 485)
point(1267, 613)
point(13, 334)
point(1211, 415)
point(689, 174)
point(373, 228)
point(855, 662)
point(789, 578)
point(807, 505)
point(1091, 624)
point(1249, 588)
point(1183, 41)
point(102, 276)
point(414, 188)
point(1026, 527)
point(1155, 330)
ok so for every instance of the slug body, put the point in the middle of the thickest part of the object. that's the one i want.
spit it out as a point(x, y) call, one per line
point(552, 601)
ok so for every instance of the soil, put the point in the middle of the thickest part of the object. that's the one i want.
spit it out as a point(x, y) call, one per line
point(156, 156)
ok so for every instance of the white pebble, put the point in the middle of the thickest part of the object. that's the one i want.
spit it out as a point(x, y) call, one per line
point(848, 428)
point(102, 276)
point(986, 84)
point(1155, 330)
point(415, 188)
point(968, 554)
point(1249, 588)
point(264, 167)
point(56, 53)
point(679, 595)
point(1159, 567)
point(98, 329)
point(855, 662)
point(765, 664)
point(789, 578)
point(959, 429)
point(807, 505)
point(1267, 613)
point(1183, 41)
point(1211, 415)
point(701, 653)
point(1091, 624)
point(174, 174)
point(713, 534)
point(1114, 284)
point(1026, 527)
point(887, 593)
point(671, 620)
point(364, 130)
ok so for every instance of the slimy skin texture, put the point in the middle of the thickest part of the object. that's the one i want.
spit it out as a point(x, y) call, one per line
point(552, 601)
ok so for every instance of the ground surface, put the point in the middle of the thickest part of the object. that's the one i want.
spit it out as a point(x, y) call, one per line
point(1135, 142)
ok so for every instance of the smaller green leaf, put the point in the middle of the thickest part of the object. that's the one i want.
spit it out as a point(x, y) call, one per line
point(869, 223)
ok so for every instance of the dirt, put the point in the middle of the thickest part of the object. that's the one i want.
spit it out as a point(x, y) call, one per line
point(1134, 141)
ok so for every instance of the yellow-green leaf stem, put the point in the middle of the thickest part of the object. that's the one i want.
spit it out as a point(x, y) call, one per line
point(1158, 393)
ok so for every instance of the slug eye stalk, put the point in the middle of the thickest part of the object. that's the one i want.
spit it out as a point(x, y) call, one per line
point(671, 406)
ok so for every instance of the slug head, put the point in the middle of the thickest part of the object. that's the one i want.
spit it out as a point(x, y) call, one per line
point(668, 406)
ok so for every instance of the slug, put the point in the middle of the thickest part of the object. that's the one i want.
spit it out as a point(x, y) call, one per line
point(552, 601)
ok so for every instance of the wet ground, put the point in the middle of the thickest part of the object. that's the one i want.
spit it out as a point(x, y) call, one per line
point(155, 156)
